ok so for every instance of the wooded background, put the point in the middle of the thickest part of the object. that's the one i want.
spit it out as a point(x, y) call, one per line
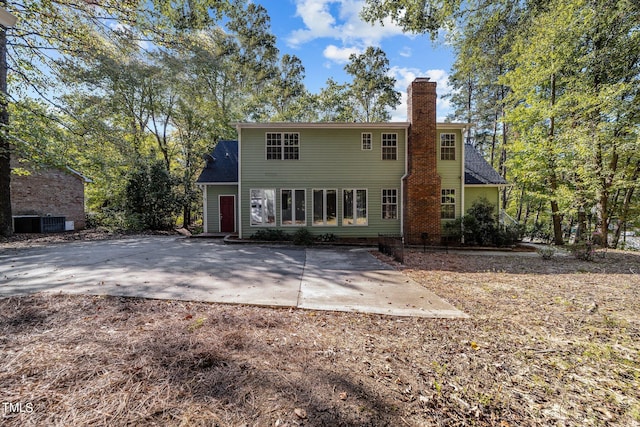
point(133, 93)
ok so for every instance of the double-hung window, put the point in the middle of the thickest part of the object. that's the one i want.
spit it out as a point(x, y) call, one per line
point(354, 207)
point(283, 146)
point(325, 207)
point(263, 207)
point(292, 206)
point(389, 146)
point(447, 146)
point(367, 141)
point(390, 203)
point(448, 204)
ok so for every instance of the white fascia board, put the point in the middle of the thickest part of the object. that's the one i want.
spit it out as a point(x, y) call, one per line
point(447, 125)
point(217, 183)
point(322, 125)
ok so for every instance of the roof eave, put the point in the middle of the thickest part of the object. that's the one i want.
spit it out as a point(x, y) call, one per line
point(321, 125)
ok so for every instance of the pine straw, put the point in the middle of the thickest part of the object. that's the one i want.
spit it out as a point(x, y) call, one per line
point(549, 343)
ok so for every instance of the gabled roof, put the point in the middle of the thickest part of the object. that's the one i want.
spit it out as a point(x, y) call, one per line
point(222, 164)
point(477, 171)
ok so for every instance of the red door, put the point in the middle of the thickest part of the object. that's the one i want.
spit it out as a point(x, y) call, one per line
point(227, 214)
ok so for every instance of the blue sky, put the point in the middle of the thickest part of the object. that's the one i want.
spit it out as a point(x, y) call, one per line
point(323, 33)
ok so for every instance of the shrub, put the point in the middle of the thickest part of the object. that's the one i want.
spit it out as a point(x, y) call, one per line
point(302, 237)
point(547, 252)
point(480, 227)
point(327, 237)
point(583, 251)
point(150, 197)
point(270, 235)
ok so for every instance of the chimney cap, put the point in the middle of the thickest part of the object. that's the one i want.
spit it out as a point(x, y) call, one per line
point(422, 79)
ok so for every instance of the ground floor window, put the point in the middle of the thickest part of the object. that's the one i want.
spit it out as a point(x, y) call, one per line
point(293, 207)
point(448, 204)
point(325, 207)
point(390, 203)
point(354, 207)
point(263, 207)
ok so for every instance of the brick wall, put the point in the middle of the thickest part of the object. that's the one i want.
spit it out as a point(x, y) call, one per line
point(48, 191)
point(422, 185)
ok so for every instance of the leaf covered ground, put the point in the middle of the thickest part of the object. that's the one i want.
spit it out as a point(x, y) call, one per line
point(549, 342)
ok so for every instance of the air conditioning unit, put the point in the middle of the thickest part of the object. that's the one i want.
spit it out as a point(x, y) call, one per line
point(38, 224)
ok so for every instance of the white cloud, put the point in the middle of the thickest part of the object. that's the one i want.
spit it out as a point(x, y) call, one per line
point(338, 54)
point(405, 52)
point(347, 26)
point(404, 76)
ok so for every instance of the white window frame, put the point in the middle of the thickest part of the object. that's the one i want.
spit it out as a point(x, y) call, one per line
point(295, 222)
point(447, 198)
point(389, 198)
point(366, 141)
point(393, 146)
point(284, 142)
point(448, 144)
point(325, 192)
point(354, 208)
point(262, 208)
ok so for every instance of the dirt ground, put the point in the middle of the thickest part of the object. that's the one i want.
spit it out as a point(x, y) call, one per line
point(549, 342)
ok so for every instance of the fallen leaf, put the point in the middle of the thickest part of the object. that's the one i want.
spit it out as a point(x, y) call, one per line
point(300, 412)
point(343, 396)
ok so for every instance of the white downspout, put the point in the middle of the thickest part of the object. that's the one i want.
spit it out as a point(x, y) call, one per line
point(239, 207)
point(205, 210)
point(406, 174)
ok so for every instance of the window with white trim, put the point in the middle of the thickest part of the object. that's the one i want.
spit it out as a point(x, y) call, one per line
point(367, 141)
point(389, 203)
point(283, 146)
point(448, 203)
point(389, 146)
point(263, 207)
point(354, 207)
point(293, 207)
point(325, 207)
point(447, 146)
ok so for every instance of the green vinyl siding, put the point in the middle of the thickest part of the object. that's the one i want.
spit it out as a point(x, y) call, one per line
point(213, 208)
point(331, 159)
point(492, 194)
point(450, 171)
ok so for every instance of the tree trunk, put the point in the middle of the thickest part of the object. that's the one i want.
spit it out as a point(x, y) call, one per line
point(555, 209)
point(6, 221)
point(624, 212)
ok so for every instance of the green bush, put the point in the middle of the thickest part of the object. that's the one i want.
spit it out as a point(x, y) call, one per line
point(327, 237)
point(583, 251)
point(546, 252)
point(270, 235)
point(150, 197)
point(302, 237)
point(480, 227)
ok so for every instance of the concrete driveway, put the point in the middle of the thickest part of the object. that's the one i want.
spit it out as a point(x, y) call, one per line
point(207, 270)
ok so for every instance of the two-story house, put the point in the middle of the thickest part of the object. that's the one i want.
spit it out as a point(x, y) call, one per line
point(349, 179)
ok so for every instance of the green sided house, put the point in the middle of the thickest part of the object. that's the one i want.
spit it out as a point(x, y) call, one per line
point(354, 180)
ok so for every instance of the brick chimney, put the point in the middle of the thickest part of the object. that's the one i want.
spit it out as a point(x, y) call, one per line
point(422, 184)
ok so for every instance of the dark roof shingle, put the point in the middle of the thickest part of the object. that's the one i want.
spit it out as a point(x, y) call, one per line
point(477, 171)
point(222, 164)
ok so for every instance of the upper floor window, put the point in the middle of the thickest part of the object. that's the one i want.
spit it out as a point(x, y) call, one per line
point(447, 146)
point(389, 146)
point(283, 146)
point(366, 141)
